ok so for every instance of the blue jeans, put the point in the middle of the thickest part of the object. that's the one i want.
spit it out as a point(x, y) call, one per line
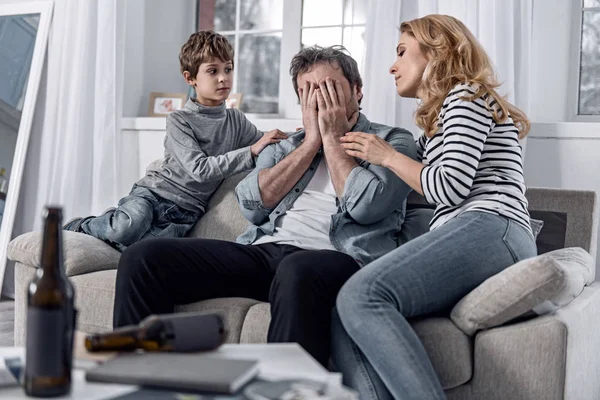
point(373, 345)
point(140, 215)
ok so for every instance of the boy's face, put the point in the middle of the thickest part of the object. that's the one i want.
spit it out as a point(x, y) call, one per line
point(213, 82)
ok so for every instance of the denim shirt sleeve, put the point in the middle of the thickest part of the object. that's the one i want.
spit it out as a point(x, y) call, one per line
point(373, 193)
point(247, 191)
point(181, 144)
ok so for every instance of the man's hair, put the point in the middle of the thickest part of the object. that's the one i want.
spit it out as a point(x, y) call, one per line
point(201, 47)
point(336, 56)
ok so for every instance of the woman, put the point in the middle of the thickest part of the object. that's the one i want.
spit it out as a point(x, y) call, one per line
point(471, 167)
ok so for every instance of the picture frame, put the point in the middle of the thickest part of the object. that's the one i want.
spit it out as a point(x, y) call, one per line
point(234, 100)
point(161, 104)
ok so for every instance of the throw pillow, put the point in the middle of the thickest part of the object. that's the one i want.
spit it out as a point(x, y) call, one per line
point(82, 253)
point(541, 283)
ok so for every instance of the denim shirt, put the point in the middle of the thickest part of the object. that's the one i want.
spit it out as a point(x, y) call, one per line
point(370, 211)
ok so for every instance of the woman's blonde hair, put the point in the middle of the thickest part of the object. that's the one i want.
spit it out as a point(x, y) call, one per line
point(455, 56)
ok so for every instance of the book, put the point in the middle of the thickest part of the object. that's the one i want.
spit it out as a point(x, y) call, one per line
point(198, 372)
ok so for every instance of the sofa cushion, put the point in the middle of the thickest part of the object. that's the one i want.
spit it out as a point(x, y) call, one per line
point(82, 253)
point(540, 283)
point(223, 219)
point(95, 294)
point(449, 348)
point(94, 300)
point(579, 271)
point(256, 324)
point(233, 310)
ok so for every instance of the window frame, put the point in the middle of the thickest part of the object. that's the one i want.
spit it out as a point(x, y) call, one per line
point(575, 70)
point(291, 42)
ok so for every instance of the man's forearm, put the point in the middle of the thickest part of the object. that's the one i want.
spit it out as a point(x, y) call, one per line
point(277, 181)
point(339, 164)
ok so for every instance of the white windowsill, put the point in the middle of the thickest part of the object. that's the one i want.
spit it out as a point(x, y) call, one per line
point(144, 124)
point(159, 123)
point(565, 130)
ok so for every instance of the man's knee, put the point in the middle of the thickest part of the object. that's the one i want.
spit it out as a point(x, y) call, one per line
point(138, 262)
point(296, 273)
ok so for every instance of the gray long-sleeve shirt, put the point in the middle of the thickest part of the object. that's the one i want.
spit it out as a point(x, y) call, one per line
point(203, 146)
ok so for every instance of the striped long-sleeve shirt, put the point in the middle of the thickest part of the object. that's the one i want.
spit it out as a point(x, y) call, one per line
point(472, 162)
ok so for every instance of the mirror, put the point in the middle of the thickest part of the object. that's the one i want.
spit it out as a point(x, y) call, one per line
point(23, 38)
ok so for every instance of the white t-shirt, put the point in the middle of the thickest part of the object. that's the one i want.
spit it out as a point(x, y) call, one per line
point(306, 224)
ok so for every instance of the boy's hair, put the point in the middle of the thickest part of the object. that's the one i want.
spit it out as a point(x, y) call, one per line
point(455, 56)
point(201, 47)
point(336, 56)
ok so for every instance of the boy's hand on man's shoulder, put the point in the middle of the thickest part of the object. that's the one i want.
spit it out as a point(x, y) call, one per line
point(274, 136)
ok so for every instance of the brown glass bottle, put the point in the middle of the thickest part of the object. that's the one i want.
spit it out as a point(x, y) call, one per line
point(151, 335)
point(50, 318)
point(183, 332)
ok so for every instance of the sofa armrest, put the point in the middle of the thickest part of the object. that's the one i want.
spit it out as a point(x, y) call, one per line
point(82, 253)
point(550, 357)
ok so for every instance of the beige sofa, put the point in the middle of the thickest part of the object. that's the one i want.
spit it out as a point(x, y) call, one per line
point(555, 356)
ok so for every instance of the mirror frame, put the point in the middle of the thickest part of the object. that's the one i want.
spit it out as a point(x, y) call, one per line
point(44, 8)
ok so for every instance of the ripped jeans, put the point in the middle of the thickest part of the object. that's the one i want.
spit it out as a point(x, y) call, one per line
point(140, 215)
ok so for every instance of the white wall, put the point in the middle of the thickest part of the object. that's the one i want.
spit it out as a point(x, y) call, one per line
point(158, 28)
point(565, 155)
point(133, 82)
point(560, 154)
point(551, 60)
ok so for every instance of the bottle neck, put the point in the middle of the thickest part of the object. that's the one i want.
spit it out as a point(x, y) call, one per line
point(52, 254)
point(121, 339)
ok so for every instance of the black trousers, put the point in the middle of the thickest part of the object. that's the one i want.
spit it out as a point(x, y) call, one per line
point(154, 275)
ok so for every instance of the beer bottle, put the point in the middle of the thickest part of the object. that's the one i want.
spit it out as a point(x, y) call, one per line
point(50, 318)
point(181, 332)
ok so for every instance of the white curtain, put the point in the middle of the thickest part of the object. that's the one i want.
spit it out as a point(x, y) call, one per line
point(503, 27)
point(81, 131)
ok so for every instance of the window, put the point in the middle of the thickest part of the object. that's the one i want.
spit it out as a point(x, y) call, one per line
point(588, 102)
point(267, 33)
point(335, 22)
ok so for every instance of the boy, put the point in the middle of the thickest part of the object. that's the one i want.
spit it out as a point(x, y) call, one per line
point(205, 143)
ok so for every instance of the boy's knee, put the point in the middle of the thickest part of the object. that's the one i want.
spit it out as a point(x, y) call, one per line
point(131, 224)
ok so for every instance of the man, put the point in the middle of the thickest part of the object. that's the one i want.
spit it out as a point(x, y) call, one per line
point(318, 215)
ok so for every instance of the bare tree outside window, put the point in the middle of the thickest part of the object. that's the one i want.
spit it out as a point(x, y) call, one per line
point(336, 22)
point(589, 67)
point(256, 30)
point(258, 72)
